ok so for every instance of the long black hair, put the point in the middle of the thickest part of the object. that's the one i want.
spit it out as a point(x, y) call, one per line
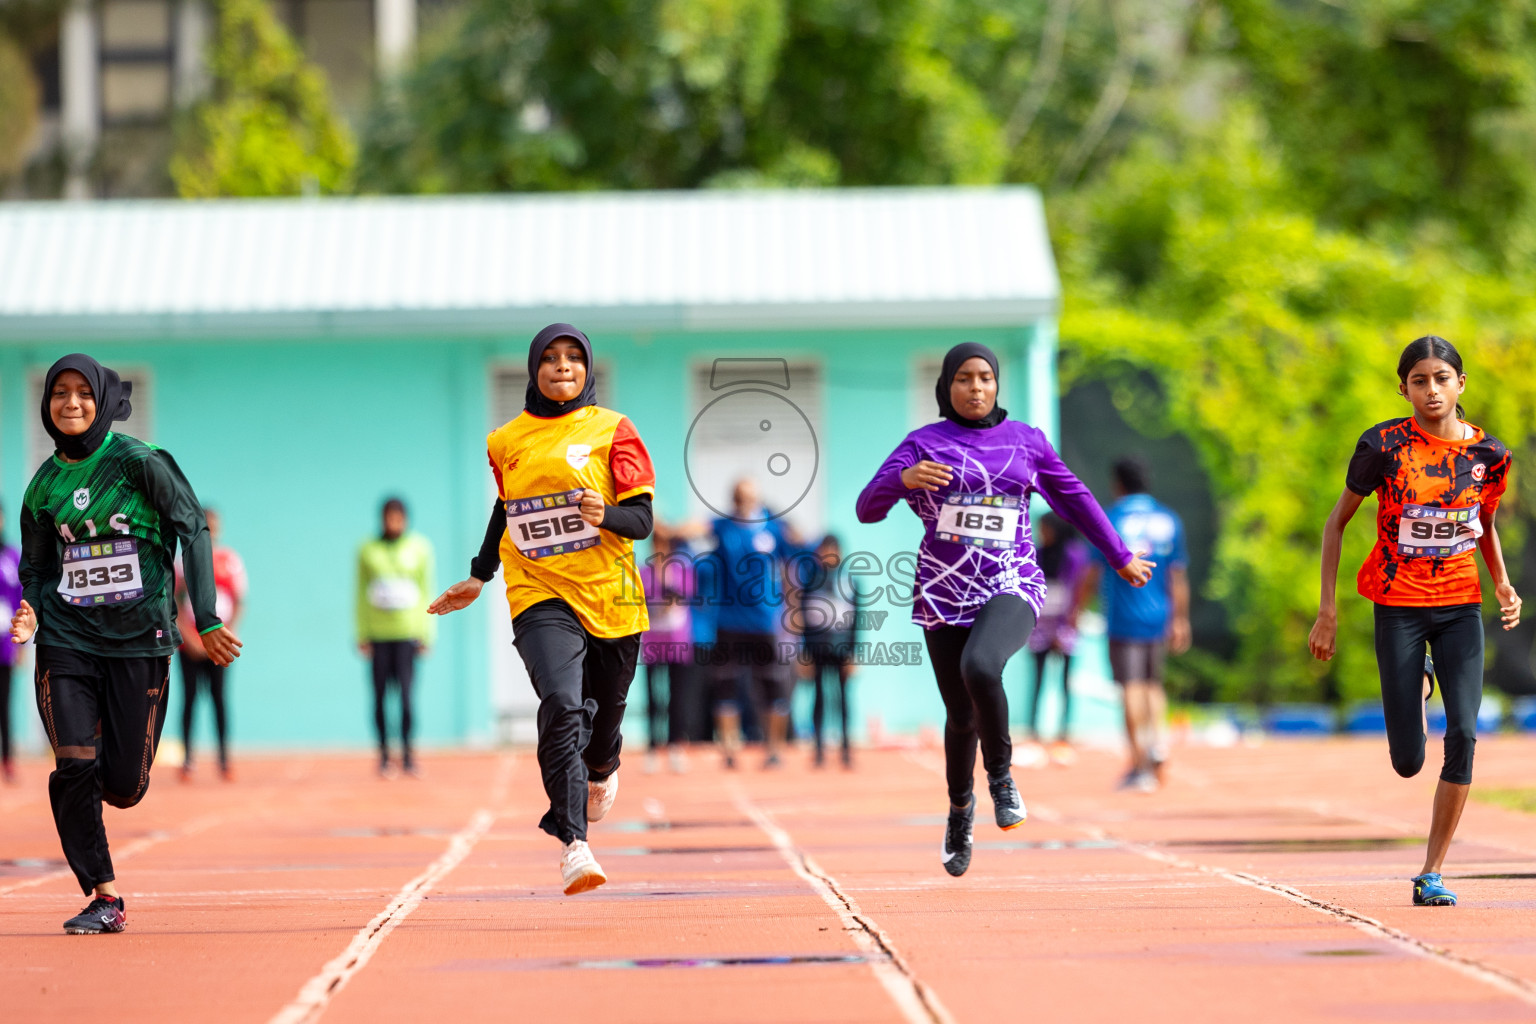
point(1431, 346)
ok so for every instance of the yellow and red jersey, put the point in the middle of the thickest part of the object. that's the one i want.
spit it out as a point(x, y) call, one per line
point(1431, 493)
point(541, 467)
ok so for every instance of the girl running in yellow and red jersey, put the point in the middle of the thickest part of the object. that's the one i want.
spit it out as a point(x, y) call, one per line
point(1438, 481)
point(574, 485)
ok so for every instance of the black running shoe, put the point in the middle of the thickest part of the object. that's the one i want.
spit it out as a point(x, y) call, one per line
point(104, 914)
point(957, 839)
point(1007, 805)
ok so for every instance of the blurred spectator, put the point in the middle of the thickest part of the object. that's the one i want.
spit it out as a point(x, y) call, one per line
point(394, 584)
point(10, 600)
point(828, 616)
point(197, 671)
point(1063, 558)
point(1144, 622)
point(667, 647)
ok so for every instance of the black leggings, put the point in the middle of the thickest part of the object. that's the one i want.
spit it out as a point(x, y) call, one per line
point(1455, 637)
point(670, 679)
point(394, 661)
point(1066, 693)
point(5, 713)
point(583, 686)
point(201, 673)
point(103, 718)
point(837, 669)
point(968, 664)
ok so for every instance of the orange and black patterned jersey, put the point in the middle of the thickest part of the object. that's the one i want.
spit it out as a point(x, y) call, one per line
point(1432, 494)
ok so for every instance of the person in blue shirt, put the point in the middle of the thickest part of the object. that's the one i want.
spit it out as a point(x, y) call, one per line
point(1144, 623)
point(751, 546)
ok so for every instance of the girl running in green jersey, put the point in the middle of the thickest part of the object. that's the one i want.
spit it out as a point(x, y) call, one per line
point(99, 527)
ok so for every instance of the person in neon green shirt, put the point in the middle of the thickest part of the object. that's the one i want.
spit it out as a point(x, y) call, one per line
point(394, 583)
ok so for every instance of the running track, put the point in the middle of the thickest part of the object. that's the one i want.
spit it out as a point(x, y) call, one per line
point(1263, 884)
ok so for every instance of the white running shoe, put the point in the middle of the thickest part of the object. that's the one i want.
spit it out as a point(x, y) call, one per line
point(578, 868)
point(600, 796)
point(677, 761)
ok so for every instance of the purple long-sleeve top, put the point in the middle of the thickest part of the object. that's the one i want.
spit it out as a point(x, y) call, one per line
point(10, 597)
point(976, 532)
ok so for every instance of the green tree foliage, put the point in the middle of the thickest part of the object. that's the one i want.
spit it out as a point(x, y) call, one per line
point(1274, 343)
point(268, 127)
point(551, 94)
point(1398, 115)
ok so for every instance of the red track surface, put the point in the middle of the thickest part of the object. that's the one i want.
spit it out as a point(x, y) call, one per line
point(1263, 884)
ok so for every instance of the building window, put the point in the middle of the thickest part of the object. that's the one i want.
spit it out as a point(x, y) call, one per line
point(922, 406)
point(140, 425)
point(758, 419)
point(509, 388)
point(137, 55)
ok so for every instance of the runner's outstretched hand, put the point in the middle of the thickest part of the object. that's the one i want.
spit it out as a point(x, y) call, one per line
point(222, 646)
point(592, 507)
point(23, 624)
point(1509, 605)
point(930, 476)
point(1137, 572)
point(461, 595)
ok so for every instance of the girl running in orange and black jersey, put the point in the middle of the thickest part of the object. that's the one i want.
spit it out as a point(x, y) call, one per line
point(574, 485)
point(1438, 481)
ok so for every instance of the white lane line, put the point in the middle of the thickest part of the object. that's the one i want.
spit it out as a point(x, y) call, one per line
point(316, 994)
point(1496, 977)
point(917, 1002)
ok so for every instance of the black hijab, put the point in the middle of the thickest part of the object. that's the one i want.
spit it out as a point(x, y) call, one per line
point(535, 401)
point(112, 403)
point(953, 360)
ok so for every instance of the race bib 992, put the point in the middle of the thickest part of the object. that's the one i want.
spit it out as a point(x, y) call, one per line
point(1425, 532)
point(549, 524)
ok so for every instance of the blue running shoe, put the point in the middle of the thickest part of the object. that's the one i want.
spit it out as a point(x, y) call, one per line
point(1429, 891)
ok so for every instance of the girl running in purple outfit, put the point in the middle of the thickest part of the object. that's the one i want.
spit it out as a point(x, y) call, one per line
point(979, 588)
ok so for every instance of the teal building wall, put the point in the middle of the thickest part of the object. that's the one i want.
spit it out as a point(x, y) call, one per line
point(297, 440)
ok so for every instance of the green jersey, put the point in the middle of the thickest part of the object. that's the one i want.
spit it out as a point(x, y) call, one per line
point(98, 543)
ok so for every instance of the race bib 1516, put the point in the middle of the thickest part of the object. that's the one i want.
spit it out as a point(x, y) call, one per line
point(1425, 532)
point(549, 524)
point(102, 572)
point(981, 520)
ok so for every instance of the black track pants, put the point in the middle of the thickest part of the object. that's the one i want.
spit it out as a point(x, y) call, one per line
point(1066, 693)
point(583, 684)
point(827, 673)
point(5, 712)
point(968, 664)
point(199, 674)
point(103, 718)
point(394, 664)
point(1455, 637)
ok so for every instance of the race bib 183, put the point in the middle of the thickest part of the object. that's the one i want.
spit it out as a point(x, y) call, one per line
point(103, 572)
point(1425, 532)
point(981, 520)
point(549, 524)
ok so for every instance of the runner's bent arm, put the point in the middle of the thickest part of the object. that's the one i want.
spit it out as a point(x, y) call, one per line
point(171, 496)
point(39, 562)
point(631, 518)
point(1325, 629)
point(1070, 498)
point(1493, 557)
point(887, 488)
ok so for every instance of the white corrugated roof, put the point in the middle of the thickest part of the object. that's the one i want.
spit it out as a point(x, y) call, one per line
point(736, 259)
